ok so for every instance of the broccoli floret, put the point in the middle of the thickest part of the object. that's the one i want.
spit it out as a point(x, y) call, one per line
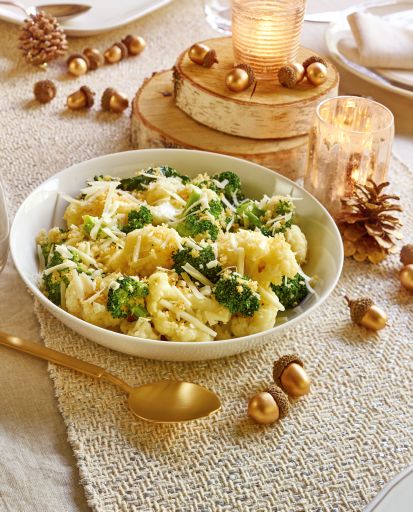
point(249, 215)
point(198, 259)
point(140, 182)
point(291, 292)
point(137, 219)
point(238, 293)
point(46, 249)
point(52, 282)
point(232, 190)
point(127, 301)
point(89, 223)
point(284, 207)
point(194, 227)
point(216, 208)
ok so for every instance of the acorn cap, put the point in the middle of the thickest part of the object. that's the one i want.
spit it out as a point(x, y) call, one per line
point(312, 59)
point(106, 96)
point(89, 95)
point(95, 58)
point(123, 49)
point(288, 76)
point(358, 308)
point(281, 399)
point(406, 254)
point(249, 71)
point(44, 91)
point(77, 56)
point(210, 59)
point(282, 363)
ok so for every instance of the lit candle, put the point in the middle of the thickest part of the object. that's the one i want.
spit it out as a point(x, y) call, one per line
point(266, 34)
point(349, 143)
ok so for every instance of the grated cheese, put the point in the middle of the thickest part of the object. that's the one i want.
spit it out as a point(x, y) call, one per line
point(94, 296)
point(70, 199)
point(227, 203)
point(63, 294)
point(136, 250)
point(212, 264)
point(189, 318)
point(241, 260)
point(42, 262)
point(85, 257)
point(191, 286)
point(60, 266)
point(193, 272)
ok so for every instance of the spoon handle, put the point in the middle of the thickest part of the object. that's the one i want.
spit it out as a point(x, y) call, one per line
point(34, 349)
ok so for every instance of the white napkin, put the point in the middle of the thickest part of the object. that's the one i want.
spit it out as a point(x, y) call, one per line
point(380, 43)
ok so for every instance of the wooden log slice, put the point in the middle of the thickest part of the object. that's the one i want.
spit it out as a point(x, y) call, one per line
point(272, 112)
point(156, 122)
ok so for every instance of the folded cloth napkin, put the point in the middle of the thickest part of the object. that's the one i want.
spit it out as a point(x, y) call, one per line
point(380, 43)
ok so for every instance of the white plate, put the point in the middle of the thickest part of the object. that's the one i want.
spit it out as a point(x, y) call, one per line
point(396, 496)
point(340, 42)
point(43, 205)
point(104, 14)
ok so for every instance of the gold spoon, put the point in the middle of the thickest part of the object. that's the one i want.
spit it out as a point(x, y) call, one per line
point(166, 401)
point(60, 11)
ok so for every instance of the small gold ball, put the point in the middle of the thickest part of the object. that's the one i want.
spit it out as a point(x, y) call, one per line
point(197, 53)
point(77, 66)
point(299, 68)
point(316, 73)
point(237, 80)
point(295, 381)
point(406, 277)
point(113, 54)
point(375, 318)
point(134, 44)
point(263, 409)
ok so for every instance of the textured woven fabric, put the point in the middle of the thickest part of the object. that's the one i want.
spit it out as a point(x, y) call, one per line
point(337, 447)
point(335, 450)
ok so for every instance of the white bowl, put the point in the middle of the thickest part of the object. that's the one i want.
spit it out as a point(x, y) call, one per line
point(44, 209)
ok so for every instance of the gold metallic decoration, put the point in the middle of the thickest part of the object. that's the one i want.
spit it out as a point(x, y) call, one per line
point(406, 254)
point(316, 73)
point(83, 98)
point(299, 69)
point(263, 409)
point(95, 58)
point(116, 53)
point(77, 64)
point(312, 59)
point(364, 312)
point(288, 76)
point(237, 80)
point(202, 55)
point(165, 401)
point(114, 101)
point(44, 91)
point(134, 44)
point(406, 277)
point(289, 374)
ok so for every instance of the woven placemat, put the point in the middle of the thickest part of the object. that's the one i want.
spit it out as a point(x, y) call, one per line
point(335, 450)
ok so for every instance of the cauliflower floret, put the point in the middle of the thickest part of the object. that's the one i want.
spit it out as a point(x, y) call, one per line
point(164, 188)
point(209, 311)
point(164, 212)
point(267, 259)
point(141, 328)
point(145, 250)
point(298, 242)
point(168, 306)
point(80, 289)
point(262, 320)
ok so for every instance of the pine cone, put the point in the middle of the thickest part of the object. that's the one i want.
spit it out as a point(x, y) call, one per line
point(42, 39)
point(368, 230)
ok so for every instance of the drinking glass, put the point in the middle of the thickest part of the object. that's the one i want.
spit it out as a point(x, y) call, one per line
point(350, 142)
point(4, 228)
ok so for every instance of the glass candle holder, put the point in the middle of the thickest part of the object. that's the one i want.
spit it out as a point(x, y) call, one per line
point(350, 141)
point(266, 34)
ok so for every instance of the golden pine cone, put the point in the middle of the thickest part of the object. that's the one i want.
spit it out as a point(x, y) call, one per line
point(42, 39)
point(368, 228)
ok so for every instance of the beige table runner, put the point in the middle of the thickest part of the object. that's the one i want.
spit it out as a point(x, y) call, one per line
point(334, 451)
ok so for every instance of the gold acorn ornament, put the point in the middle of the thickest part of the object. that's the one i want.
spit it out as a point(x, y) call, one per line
point(240, 78)
point(365, 312)
point(114, 101)
point(134, 44)
point(366, 223)
point(94, 57)
point(115, 53)
point(202, 55)
point(289, 374)
point(83, 98)
point(300, 70)
point(316, 73)
point(312, 60)
point(406, 277)
point(44, 91)
point(42, 39)
point(268, 406)
point(77, 64)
